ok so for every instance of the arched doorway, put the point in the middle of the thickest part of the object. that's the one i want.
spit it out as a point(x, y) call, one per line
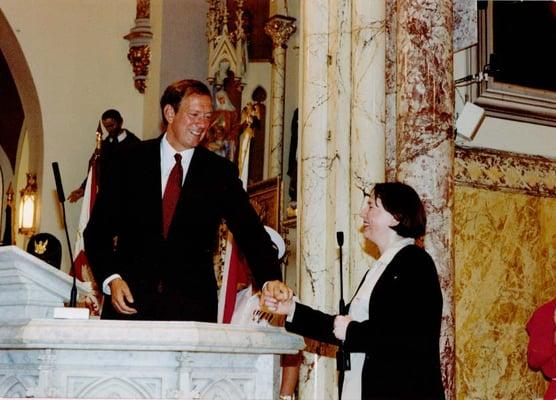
point(22, 117)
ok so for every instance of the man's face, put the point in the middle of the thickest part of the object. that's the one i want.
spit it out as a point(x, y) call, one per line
point(112, 126)
point(188, 126)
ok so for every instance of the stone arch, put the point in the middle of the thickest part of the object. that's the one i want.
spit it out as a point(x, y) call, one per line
point(119, 388)
point(223, 388)
point(32, 124)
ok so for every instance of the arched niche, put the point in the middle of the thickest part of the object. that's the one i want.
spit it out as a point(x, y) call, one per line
point(31, 132)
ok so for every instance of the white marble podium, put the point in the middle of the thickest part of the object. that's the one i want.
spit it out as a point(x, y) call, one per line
point(44, 357)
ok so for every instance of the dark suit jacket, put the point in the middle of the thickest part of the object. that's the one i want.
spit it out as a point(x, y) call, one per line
point(401, 337)
point(173, 278)
point(109, 153)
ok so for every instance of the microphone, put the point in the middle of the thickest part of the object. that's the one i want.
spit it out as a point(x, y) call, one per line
point(340, 241)
point(342, 357)
point(58, 180)
point(62, 199)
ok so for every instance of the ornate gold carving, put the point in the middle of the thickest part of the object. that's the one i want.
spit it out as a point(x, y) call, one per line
point(227, 50)
point(505, 171)
point(139, 51)
point(280, 28)
point(40, 246)
point(143, 9)
point(139, 57)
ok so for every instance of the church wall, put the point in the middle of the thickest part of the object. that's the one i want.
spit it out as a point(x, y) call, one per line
point(78, 60)
point(505, 249)
point(184, 45)
point(505, 266)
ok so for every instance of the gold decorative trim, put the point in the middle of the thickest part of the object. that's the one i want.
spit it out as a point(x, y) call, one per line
point(227, 50)
point(280, 28)
point(505, 171)
point(139, 51)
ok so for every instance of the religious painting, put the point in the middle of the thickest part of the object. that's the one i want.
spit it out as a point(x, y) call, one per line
point(222, 136)
point(516, 40)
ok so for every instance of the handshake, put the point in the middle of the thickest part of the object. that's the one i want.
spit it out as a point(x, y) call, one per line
point(277, 298)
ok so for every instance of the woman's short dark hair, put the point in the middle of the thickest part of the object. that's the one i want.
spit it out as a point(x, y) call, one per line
point(403, 202)
point(179, 90)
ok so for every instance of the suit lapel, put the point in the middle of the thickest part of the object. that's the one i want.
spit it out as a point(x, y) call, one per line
point(194, 174)
point(152, 178)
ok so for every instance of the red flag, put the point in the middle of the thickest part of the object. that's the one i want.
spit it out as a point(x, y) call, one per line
point(81, 264)
point(235, 275)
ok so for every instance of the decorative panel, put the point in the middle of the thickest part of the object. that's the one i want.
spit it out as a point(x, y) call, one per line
point(505, 266)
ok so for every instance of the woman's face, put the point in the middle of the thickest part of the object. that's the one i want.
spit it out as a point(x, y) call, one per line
point(376, 220)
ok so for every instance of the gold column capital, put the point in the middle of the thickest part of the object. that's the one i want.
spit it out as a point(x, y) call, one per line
point(280, 28)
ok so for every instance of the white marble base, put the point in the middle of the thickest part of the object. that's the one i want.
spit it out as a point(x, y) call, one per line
point(134, 359)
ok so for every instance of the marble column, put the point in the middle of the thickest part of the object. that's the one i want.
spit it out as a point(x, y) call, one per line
point(390, 90)
point(341, 154)
point(425, 143)
point(279, 28)
point(367, 151)
point(316, 197)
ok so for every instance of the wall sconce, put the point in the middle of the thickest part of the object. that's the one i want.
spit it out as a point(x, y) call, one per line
point(28, 205)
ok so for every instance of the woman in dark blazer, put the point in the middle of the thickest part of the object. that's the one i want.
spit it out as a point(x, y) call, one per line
point(392, 329)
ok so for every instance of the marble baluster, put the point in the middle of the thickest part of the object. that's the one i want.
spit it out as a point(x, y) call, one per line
point(425, 147)
point(279, 28)
point(367, 121)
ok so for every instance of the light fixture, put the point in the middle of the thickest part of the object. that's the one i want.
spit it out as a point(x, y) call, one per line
point(469, 121)
point(28, 206)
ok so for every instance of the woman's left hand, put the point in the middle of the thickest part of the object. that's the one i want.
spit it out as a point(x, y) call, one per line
point(341, 323)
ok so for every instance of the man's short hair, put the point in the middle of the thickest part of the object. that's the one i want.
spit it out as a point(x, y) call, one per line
point(177, 91)
point(403, 202)
point(113, 114)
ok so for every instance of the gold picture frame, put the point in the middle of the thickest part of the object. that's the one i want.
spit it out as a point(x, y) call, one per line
point(265, 197)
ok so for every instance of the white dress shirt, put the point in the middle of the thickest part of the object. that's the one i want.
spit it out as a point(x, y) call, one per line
point(121, 136)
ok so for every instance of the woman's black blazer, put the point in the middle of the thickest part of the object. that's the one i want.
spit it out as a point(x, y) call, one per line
point(401, 337)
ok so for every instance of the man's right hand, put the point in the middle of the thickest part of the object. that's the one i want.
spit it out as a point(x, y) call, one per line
point(121, 295)
point(76, 195)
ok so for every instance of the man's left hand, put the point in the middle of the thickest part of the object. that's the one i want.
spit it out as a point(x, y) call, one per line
point(279, 291)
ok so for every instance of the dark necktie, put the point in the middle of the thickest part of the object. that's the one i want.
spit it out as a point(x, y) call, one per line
point(171, 194)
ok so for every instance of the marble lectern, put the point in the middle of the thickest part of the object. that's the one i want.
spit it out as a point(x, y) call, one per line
point(45, 357)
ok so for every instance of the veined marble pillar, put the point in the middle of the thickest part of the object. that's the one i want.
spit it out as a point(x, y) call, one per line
point(279, 28)
point(341, 154)
point(390, 90)
point(367, 121)
point(425, 143)
point(316, 241)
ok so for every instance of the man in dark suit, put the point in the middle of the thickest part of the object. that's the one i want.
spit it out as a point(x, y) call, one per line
point(117, 138)
point(161, 265)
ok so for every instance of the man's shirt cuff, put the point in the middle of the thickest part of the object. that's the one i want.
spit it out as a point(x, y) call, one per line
point(106, 287)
